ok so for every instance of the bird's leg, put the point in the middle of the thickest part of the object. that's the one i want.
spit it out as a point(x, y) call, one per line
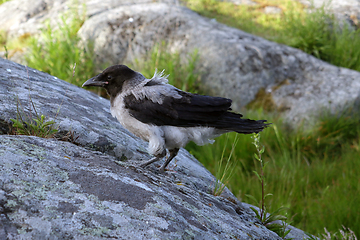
point(154, 159)
point(173, 153)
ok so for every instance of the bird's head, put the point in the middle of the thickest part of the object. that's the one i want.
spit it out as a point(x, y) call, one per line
point(112, 79)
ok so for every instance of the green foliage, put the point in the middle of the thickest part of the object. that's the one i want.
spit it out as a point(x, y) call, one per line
point(321, 35)
point(181, 72)
point(314, 174)
point(308, 32)
point(269, 219)
point(344, 49)
point(27, 125)
point(57, 50)
point(249, 18)
point(223, 173)
point(35, 127)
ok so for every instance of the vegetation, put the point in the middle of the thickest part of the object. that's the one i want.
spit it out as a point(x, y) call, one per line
point(314, 173)
point(58, 50)
point(269, 219)
point(224, 172)
point(34, 126)
point(344, 233)
point(27, 124)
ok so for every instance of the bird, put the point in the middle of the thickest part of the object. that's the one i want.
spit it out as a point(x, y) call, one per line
point(165, 116)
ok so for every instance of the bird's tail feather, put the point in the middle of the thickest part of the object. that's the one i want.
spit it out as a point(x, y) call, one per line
point(233, 122)
point(248, 126)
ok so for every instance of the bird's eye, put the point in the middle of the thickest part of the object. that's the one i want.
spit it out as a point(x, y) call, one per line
point(109, 77)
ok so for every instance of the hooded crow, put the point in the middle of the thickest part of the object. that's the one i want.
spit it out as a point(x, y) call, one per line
point(165, 116)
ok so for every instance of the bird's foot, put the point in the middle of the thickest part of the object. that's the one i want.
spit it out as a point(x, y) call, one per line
point(171, 168)
point(161, 170)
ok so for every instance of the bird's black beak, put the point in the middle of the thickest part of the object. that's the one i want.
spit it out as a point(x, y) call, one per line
point(94, 81)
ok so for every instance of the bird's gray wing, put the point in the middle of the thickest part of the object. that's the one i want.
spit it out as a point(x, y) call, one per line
point(170, 106)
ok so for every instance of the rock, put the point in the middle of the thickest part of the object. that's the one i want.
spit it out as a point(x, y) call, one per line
point(234, 64)
point(86, 189)
point(272, 10)
point(244, 2)
point(28, 17)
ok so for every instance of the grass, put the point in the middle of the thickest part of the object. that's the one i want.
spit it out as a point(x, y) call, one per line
point(58, 50)
point(314, 174)
point(271, 220)
point(316, 32)
point(343, 234)
point(224, 169)
point(249, 18)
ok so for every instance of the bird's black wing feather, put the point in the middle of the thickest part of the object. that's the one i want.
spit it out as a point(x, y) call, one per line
point(192, 110)
point(189, 111)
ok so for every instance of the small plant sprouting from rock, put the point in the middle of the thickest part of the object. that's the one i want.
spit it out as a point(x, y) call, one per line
point(38, 126)
point(33, 126)
point(273, 221)
point(27, 125)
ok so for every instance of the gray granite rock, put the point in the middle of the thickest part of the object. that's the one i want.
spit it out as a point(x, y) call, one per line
point(233, 63)
point(28, 17)
point(92, 188)
point(244, 2)
point(272, 10)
